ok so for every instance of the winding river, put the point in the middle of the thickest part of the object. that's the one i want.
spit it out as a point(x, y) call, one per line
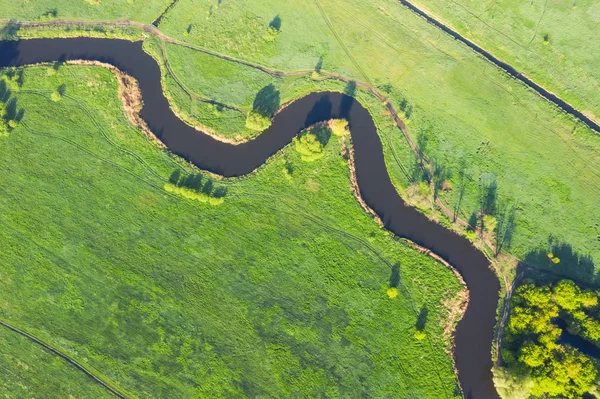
point(474, 332)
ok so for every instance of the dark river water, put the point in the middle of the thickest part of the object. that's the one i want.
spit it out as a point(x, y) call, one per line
point(474, 332)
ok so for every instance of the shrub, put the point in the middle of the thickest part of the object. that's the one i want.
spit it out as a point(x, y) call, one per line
point(339, 127)
point(271, 34)
point(56, 96)
point(13, 124)
point(309, 146)
point(392, 292)
point(192, 194)
point(257, 122)
point(420, 335)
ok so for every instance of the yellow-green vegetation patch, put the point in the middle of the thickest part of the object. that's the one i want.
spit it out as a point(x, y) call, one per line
point(535, 355)
point(280, 291)
point(310, 143)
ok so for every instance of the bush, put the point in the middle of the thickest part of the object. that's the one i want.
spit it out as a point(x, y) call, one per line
point(420, 335)
point(192, 194)
point(271, 34)
point(56, 96)
point(257, 122)
point(392, 292)
point(339, 127)
point(309, 146)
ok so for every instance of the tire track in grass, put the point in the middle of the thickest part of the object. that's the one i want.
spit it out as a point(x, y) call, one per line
point(97, 377)
point(341, 42)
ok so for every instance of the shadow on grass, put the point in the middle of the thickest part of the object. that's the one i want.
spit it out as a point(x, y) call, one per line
point(559, 260)
point(267, 101)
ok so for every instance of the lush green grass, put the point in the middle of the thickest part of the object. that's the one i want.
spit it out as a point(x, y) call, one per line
point(554, 42)
point(95, 10)
point(542, 161)
point(28, 371)
point(279, 291)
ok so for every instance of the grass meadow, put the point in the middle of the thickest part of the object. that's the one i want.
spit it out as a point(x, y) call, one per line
point(93, 10)
point(28, 371)
point(470, 118)
point(553, 42)
point(282, 290)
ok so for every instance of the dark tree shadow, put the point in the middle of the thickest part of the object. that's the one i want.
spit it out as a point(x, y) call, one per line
point(441, 173)
point(578, 267)
point(220, 192)
point(266, 101)
point(321, 111)
point(462, 185)
point(319, 65)
point(488, 191)
point(192, 181)
point(506, 226)
point(174, 178)
point(52, 13)
point(189, 29)
point(422, 318)
point(62, 89)
point(323, 135)
point(472, 221)
point(275, 23)
point(10, 30)
point(395, 276)
point(20, 115)
point(11, 109)
point(207, 188)
point(348, 99)
point(4, 91)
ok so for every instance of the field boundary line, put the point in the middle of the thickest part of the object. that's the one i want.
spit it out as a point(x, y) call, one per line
point(510, 70)
point(100, 380)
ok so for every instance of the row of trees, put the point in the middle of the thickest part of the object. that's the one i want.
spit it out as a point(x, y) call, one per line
point(532, 351)
point(493, 218)
point(193, 188)
point(9, 117)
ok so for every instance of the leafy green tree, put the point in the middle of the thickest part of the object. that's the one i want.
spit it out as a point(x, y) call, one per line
point(309, 146)
point(257, 122)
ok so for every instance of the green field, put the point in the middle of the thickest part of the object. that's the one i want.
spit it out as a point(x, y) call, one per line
point(27, 372)
point(480, 124)
point(94, 10)
point(279, 291)
point(554, 42)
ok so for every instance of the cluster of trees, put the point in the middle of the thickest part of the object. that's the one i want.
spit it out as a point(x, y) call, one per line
point(191, 187)
point(531, 349)
point(9, 117)
point(264, 107)
point(309, 146)
point(311, 143)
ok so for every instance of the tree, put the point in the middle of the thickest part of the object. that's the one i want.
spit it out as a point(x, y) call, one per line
point(257, 122)
point(309, 146)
